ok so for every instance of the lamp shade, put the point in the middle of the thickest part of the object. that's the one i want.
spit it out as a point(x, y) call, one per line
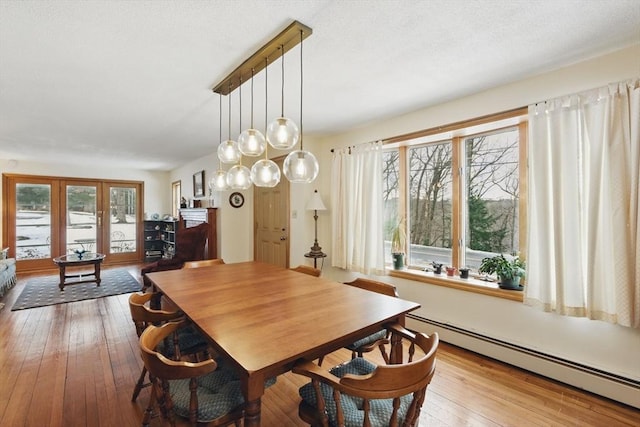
point(315, 203)
point(251, 142)
point(239, 177)
point(219, 180)
point(265, 173)
point(300, 167)
point(228, 152)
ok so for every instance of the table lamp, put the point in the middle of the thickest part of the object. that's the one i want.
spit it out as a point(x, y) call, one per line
point(315, 204)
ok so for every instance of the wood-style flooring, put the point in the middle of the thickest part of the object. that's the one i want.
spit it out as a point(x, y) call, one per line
point(76, 364)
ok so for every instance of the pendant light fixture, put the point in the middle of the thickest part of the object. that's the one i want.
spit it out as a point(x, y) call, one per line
point(251, 142)
point(301, 166)
point(239, 176)
point(219, 180)
point(265, 172)
point(228, 151)
point(282, 133)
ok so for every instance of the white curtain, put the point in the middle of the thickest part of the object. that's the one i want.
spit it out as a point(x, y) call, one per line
point(584, 224)
point(356, 197)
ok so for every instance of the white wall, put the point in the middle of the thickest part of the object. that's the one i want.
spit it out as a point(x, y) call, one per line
point(157, 188)
point(596, 344)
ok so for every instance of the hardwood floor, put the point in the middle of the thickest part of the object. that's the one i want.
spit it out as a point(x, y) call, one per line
point(76, 364)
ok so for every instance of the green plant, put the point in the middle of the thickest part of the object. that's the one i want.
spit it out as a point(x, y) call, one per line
point(503, 267)
point(398, 237)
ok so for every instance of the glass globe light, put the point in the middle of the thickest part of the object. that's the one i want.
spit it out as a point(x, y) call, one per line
point(282, 133)
point(239, 177)
point(219, 180)
point(300, 167)
point(251, 143)
point(265, 173)
point(228, 152)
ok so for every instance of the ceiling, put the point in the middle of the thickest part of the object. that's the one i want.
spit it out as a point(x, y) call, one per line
point(128, 84)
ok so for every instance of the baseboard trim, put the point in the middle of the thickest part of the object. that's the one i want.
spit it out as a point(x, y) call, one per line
point(613, 380)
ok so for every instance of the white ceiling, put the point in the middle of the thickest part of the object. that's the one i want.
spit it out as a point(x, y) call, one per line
point(129, 83)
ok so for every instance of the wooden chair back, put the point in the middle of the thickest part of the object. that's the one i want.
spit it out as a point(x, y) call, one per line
point(203, 263)
point(390, 382)
point(143, 316)
point(163, 371)
point(161, 367)
point(374, 286)
point(307, 269)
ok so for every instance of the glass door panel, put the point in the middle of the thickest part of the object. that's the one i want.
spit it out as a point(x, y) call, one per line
point(33, 221)
point(81, 219)
point(123, 220)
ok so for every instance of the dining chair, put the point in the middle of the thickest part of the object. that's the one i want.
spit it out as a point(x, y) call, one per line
point(361, 393)
point(202, 392)
point(186, 342)
point(307, 269)
point(378, 339)
point(203, 263)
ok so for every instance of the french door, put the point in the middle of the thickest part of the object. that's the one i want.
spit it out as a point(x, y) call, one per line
point(48, 217)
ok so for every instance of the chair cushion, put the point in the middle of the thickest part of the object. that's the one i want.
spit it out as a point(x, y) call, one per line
point(218, 393)
point(368, 340)
point(190, 341)
point(380, 410)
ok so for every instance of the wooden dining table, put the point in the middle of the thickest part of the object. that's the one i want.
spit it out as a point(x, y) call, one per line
point(263, 318)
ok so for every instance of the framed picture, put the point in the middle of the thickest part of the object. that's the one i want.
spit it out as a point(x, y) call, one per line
point(198, 184)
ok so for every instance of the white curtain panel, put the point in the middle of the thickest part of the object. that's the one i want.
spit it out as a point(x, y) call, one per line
point(584, 224)
point(356, 194)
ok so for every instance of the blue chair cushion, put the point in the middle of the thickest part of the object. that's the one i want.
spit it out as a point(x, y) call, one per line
point(368, 340)
point(218, 393)
point(189, 340)
point(380, 410)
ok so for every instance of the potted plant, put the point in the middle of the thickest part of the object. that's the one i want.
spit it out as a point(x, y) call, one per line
point(398, 244)
point(509, 270)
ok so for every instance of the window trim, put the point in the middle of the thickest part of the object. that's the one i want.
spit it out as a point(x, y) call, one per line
point(456, 133)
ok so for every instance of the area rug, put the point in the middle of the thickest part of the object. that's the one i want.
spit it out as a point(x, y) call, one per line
point(41, 291)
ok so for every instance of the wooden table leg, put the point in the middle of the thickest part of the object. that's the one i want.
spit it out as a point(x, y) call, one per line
point(97, 272)
point(62, 277)
point(252, 413)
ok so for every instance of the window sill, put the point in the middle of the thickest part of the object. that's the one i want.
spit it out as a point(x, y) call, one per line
point(468, 285)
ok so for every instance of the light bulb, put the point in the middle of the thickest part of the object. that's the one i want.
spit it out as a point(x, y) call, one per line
point(228, 152)
point(219, 180)
point(265, 173)
point(239, 177)
point(251, 142)
point(300, 167)
point(282, 133)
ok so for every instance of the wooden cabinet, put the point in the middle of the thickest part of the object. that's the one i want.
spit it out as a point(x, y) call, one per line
point(193, 217)
point(159, 239)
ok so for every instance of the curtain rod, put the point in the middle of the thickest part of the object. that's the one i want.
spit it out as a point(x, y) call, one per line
point(451, 126)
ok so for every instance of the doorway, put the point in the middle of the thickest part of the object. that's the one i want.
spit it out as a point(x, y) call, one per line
point(48, 217)
point(271, 213)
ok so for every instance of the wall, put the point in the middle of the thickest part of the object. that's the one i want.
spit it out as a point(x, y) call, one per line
point(157, 190)
point(596, 344)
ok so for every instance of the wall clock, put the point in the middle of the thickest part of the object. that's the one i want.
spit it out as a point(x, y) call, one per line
point(236, 199)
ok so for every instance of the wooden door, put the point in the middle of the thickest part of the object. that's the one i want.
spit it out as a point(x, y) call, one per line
point(271, 214)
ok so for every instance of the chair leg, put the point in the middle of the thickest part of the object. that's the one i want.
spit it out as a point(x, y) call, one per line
point(148, 413)
point(140, 384)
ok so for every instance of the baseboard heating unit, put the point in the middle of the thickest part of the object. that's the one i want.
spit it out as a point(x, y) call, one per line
point(607, 384)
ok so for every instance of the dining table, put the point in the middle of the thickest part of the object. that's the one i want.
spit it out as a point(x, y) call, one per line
point(263, 318)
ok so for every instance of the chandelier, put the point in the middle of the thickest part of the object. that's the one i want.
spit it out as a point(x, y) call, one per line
point(282, 133)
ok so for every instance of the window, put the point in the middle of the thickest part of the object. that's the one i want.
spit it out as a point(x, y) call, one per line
point(459, 191)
